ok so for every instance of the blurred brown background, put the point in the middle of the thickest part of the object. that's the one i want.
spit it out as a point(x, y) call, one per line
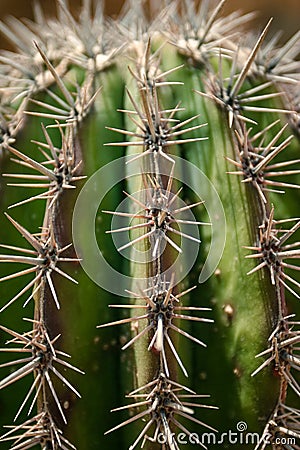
point(286, 13)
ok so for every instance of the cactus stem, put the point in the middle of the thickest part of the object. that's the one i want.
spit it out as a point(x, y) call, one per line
point(57, 80)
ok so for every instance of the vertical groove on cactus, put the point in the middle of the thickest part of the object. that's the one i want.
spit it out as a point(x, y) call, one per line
point(187, 121)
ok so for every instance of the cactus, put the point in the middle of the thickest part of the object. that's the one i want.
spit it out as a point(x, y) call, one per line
point(150, 170)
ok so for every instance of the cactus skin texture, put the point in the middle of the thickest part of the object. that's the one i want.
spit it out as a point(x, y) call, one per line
point(150, 176)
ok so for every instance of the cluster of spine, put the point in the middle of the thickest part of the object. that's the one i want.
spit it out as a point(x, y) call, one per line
point(157, 213)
